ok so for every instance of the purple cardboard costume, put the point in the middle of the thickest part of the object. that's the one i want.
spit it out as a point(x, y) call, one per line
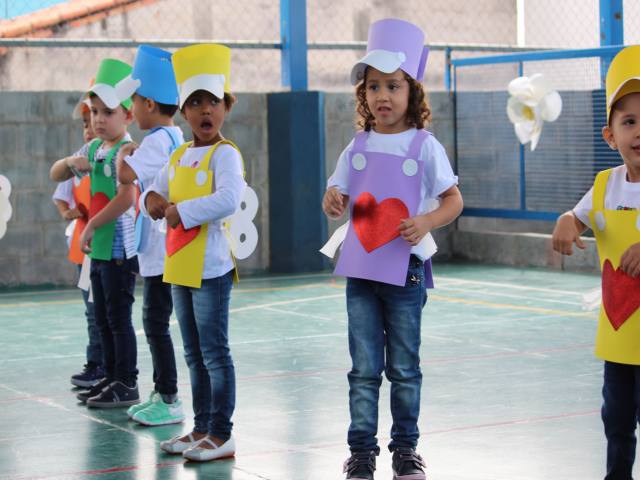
point(384, 190)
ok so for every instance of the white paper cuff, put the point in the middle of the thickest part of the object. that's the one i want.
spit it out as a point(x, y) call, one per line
point(211, 83)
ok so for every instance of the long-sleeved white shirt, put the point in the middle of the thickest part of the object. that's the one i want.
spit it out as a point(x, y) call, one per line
point(225, 197)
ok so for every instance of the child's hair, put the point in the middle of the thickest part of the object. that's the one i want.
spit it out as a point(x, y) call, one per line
point(418, 111)
point(163, 108)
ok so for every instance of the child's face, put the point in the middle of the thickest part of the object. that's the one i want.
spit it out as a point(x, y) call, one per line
point(108, 124)
point(87, 130)
point(623, 132)
point(142, 109)
point(205, 114)
point(387, 97)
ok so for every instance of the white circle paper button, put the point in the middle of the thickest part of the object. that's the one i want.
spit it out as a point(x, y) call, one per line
point(107, 170)
point(600, 222)
point(359, 161)
point(410, 167)
point(172, 172)
point(201, 177)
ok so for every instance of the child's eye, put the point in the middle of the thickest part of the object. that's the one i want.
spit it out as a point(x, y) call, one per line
point(215, 101)
point(373, 88)
point(629, 121)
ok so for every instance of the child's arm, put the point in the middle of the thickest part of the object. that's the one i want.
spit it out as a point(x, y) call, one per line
point(334, 203)
point(567, 232)
point(63, 169)
point(126, 174)
point(66, 212)
point(414, 229)
point(153, 202)
point(630, 260)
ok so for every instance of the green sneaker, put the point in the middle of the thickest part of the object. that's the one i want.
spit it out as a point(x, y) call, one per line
point(141, 406)
point(160, 413)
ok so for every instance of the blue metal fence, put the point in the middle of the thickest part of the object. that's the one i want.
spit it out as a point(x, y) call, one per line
point(501, 178)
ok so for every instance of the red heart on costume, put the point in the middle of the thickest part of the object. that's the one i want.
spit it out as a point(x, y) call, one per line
point(178, 237)
point(620, 294)
point(377, 223)
point(98, 202)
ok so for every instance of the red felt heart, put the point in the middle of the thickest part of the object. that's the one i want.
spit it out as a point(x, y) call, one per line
point(620, 294)
point(98, 202)
point(377, 223)
point(179, 237)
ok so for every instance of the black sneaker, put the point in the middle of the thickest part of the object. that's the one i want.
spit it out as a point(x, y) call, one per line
point(360, 466)
point(91, 374)
point(93, 391)
point(116, 395)
point(407, 465)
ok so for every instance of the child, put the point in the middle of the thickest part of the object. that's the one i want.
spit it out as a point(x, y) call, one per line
point(609, 208)
point(155, 101)
point(198, 262)
point(108, 237)
point(395, 162)
point(64, 199)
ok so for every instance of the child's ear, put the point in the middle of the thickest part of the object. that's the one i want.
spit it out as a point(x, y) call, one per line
point(150, 104)
point(607, 134)
point(182, 113)
point(129, 115)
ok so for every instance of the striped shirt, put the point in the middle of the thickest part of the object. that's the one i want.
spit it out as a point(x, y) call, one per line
point(124, 236)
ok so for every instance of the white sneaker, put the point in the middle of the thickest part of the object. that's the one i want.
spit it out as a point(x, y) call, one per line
point(175, 445)
point(201, 454)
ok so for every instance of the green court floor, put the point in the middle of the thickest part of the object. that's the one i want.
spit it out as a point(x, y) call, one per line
point(511, 389)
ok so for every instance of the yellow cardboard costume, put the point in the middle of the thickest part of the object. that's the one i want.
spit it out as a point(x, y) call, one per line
point(198, 67)
point(618, 337)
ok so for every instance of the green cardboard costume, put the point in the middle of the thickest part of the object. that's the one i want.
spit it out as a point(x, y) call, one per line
point(103, 173)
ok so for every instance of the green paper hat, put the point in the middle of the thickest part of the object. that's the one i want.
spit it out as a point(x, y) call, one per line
point(109, 86)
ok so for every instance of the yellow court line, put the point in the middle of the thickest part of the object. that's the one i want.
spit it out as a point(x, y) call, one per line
point(547, 311)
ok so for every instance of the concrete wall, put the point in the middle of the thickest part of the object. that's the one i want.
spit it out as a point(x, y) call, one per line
point(36, 129)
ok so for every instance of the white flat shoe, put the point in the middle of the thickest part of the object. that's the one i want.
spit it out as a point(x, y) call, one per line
point(201, 454)
point(175, 445)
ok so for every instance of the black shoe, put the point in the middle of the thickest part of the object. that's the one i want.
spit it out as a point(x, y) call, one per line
point(116, 395)
point(93, 391)
point(407, 465)
point(91, 374)
point(360, 466)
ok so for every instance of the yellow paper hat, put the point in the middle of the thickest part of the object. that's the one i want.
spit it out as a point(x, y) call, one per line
point(202, 67)
point(623, 76)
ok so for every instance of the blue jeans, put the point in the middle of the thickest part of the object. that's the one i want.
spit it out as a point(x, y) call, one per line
point(203, 315)
point(113, 283)
point(94, 347)
point(156, 313)
point(384, 320)
point(620, 409)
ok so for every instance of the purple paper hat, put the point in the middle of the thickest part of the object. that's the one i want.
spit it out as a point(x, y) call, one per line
point(393, 44)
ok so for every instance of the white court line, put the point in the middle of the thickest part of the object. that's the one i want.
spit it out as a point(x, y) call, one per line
point(512, 295)
point(284, 302)
point(287, 339)
point(300, 314)
point(462, 281)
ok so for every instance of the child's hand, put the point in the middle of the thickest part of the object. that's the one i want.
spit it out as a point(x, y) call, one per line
point(334, 203)
point(86, 237)
point(565, 234)
point(156, 205)
point(630, 260)
point(127, 149)
point(80, 164)
point(172, 215)
point(415, 228)
point(72, 214)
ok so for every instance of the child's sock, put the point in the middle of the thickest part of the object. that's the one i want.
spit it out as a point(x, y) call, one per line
point(169, 397)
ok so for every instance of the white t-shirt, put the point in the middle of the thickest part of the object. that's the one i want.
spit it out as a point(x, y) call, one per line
point(228, 187)
point(64, 192)
point(437, 174)
point(146, 161)
point(620, 195)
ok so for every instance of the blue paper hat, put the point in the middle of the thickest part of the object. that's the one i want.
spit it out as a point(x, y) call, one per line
point(152, 76)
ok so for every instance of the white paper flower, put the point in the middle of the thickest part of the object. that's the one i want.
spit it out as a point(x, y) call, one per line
point(5, 207)
point(532, 103)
